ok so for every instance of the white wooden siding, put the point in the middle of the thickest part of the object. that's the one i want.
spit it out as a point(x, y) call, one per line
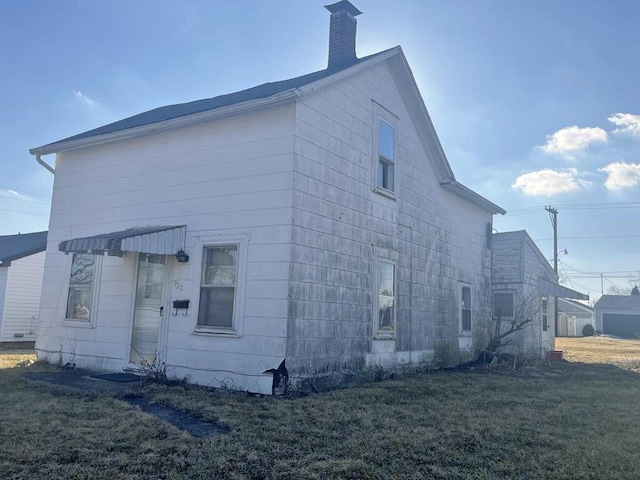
point(222, 179)
point(22, 298)
point(518, 266)
point(339, 221)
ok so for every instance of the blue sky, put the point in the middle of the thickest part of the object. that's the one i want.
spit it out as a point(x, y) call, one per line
point(535, 102)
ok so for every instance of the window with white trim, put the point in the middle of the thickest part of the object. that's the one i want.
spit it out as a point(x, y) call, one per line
point(386, 295)
point(386, 156)
point(545, 314)
point(503, 305)
point(465, 308)
point(218, 287)
point(81, 280)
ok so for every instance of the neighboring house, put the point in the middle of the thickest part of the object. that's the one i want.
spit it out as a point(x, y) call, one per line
point(320, 217)
point(21, 267)
point(524, 288)
point(573, 317)
point(619, 315)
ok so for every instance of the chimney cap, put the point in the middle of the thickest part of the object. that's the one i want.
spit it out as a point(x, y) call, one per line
point(343, 5)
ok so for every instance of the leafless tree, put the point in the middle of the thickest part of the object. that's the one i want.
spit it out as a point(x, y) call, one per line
point(526, 309)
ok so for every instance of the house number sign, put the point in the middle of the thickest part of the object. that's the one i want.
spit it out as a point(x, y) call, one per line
point(178, 286)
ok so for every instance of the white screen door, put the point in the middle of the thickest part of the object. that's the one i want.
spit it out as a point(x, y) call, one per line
point(149, 308)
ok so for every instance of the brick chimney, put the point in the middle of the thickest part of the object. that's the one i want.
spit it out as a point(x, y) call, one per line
point(342, 34)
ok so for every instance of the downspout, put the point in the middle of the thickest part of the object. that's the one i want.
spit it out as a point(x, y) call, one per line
point(44, 164)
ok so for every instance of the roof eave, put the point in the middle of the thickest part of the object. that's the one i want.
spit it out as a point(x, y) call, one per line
point(222, 112)
point(472, 196)
point(6, 261)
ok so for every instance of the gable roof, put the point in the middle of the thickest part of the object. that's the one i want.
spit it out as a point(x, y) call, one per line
point(180, 110)
point(622, 302)
point(274, 93)
point(572, 305)
point(15, 247)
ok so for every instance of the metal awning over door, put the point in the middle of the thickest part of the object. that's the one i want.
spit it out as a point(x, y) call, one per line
point(165, 240)
point(555, 290)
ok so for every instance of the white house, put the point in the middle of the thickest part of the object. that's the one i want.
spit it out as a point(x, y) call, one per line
point(525, 288)
point(21, 269)
point(321, 219)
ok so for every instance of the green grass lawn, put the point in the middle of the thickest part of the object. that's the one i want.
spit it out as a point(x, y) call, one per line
point(568, 421)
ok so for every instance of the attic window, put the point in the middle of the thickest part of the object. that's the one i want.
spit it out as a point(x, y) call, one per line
point(386, 156)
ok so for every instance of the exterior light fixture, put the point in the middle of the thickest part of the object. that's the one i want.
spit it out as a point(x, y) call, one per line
point(182, 256)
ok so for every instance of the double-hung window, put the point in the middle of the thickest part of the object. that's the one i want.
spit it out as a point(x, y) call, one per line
point(386, 294)
point(218, 287)
point(465, 309)
point(386, 156)
point(80, 298)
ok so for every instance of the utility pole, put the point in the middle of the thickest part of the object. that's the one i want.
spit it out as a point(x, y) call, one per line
point(553, 215)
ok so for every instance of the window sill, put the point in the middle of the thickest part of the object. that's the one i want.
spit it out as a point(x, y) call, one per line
point(383, 336)
point(216, 332)
point(385, 193)
point(73, 322)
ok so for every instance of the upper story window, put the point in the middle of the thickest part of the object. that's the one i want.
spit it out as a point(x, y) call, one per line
point(386, 156)
point(81, 280)
point(218, 286)
point(386, 294)
point(465, 309)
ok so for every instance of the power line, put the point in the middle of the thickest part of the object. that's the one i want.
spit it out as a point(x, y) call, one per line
point(24, 213)
point(586, 237)
point(575, 206)
point(26, 200)
point(39, 194)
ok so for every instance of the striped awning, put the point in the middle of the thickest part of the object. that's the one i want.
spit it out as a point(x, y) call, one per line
point(158, 240)
point(555, 290)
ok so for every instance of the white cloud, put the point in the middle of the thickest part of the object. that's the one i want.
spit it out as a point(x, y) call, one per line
point(8, 193)
point(92, 104)
point(571, 139)
point(621, 175)
point(627, 123)
point(549, 182)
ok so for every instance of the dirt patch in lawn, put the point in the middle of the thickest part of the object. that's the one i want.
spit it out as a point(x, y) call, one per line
point(197, 428)
point(127, 391)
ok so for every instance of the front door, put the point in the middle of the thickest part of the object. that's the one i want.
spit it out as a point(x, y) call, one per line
point(149, 309)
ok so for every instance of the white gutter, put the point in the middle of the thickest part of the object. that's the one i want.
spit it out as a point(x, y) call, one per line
point(252, 105)
point(44, 164)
